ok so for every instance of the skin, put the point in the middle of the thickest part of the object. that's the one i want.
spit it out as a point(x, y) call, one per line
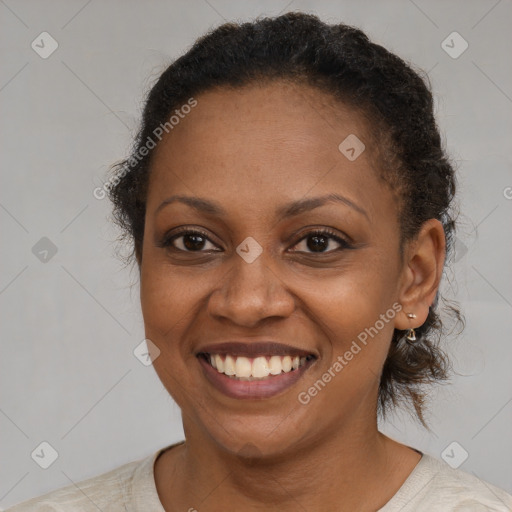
point(252, 150)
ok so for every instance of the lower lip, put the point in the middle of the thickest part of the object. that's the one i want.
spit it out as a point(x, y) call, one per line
point(255, 389)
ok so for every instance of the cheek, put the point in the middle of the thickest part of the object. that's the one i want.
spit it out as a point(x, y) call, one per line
point(351, 299)
point(168, 293)
point(167, 305)
point(168, 308)
point(359, 329)
point(354, 311)
point(358, 325)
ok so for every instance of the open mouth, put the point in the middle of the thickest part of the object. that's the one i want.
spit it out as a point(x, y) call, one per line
point(255, 368)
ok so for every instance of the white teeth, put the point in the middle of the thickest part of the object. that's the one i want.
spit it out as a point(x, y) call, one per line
point(287, 364)
point(229, 366)
point(219, 363)
point(258, 368)
point(275, 365)
point(243, 367)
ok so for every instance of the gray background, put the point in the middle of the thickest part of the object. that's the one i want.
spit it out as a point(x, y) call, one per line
point(69, 325)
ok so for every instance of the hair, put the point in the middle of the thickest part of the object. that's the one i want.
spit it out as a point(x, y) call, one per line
point(341, 61)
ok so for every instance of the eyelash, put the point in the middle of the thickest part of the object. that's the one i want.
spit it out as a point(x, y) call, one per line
point(167, 242)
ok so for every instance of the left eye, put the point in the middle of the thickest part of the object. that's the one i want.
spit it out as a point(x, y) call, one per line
point(318, 241)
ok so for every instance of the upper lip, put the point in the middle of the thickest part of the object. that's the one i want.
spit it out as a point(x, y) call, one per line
point(254, 349)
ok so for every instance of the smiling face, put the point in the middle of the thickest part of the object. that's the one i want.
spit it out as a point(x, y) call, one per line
point(263, 159)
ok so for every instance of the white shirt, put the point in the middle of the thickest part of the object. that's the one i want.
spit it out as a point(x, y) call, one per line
point(432, 486)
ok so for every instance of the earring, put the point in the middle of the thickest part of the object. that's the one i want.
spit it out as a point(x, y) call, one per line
point(411, 335)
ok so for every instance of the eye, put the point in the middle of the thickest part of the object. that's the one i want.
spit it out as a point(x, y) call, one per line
point(319, 240)
point(189, 240)
point(193, 240)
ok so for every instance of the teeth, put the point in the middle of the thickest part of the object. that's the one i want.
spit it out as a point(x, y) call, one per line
point(260, 367)
point(275, 365)
point(229, 366)
point(243, 367)
point(257, 368)
point(219, 363)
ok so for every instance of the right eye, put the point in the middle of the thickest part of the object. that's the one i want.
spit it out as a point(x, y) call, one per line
point(188, 240)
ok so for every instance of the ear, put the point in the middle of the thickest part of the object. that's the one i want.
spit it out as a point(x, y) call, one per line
point(421, 274)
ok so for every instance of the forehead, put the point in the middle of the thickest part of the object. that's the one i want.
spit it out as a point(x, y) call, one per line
point(278, 138)
point(274, 113)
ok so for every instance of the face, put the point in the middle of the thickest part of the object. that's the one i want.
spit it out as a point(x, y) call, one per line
point(264, 272)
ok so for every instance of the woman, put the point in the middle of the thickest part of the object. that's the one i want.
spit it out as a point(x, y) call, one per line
point(289, 203)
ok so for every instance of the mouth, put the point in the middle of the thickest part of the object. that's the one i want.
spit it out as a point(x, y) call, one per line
point(256, 370)
point(259, 368)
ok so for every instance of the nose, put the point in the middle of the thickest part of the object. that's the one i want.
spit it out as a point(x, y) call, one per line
point(250, 293)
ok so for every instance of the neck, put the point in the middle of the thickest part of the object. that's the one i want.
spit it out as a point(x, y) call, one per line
point(354, 468)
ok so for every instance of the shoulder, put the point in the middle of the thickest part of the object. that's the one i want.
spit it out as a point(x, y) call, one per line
point(435, 486)
point(109, 492)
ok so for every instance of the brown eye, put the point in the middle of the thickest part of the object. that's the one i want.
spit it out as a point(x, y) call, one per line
point(321, 242)
point(189, 241)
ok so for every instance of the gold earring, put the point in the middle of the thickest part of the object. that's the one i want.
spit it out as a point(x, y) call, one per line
point(411, 334)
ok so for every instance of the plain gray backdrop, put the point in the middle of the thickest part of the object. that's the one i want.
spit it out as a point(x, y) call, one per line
point(70, 313)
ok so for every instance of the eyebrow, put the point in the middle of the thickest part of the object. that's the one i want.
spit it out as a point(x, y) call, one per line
point(288, 210)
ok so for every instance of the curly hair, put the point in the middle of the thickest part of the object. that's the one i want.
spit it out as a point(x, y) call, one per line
point(342, 61)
